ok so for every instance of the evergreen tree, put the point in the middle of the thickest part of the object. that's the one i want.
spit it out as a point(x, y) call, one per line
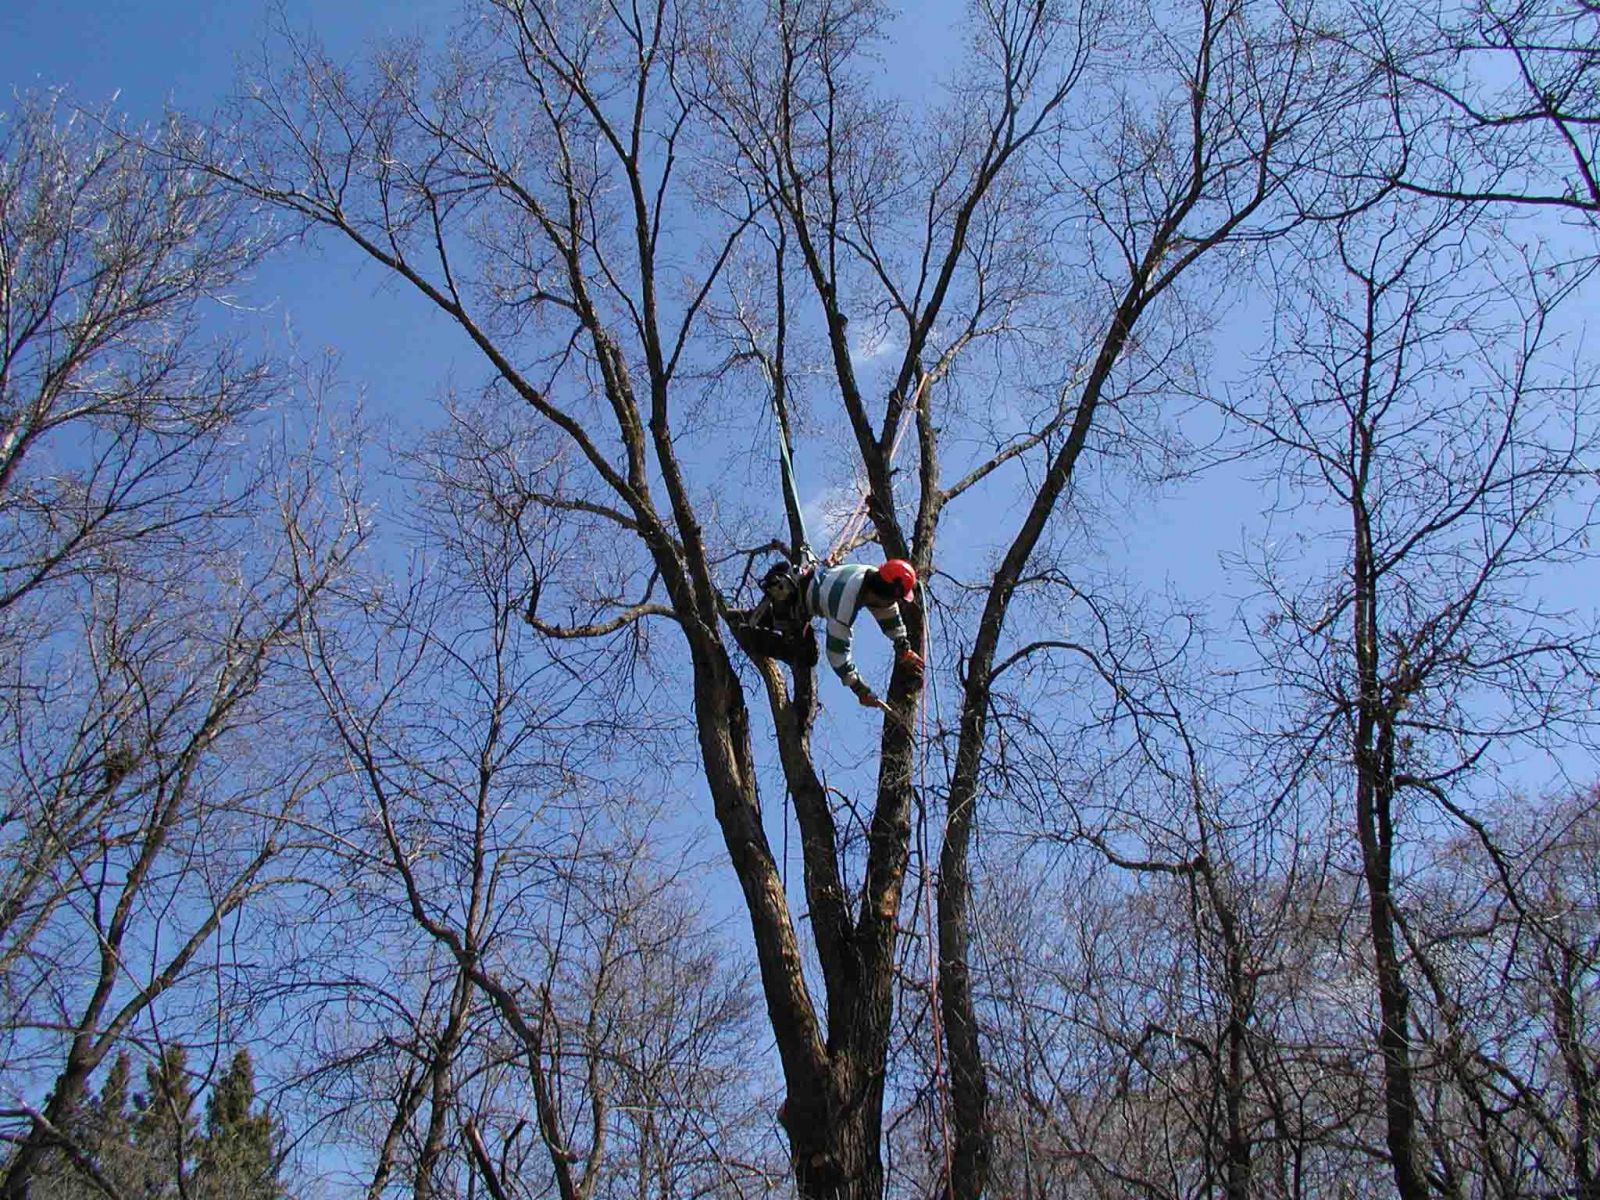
point(236, 1157)
point(112, 1138)
point(113, 1101)
point(164, 1126)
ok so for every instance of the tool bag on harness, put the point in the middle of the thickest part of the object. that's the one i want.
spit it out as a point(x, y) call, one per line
point(779, 626)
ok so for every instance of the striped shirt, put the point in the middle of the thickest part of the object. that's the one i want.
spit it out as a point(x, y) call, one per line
point(834, 593)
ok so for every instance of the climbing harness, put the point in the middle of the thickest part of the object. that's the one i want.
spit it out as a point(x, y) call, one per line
point(779, 627)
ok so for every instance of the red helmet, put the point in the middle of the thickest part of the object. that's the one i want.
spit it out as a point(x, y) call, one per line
point(901, 575)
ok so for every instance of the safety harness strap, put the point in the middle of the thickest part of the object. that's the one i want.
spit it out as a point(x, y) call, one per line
point(803, 555)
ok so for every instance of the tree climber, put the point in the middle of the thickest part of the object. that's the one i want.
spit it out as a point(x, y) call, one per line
point(780, 626)
point(837, 594)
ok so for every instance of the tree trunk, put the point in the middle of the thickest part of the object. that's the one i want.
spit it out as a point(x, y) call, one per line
point(1374, 765)
point(969, 1088)
point(1394, 1002)
point(1566, 978)
point(58, 1112)
point(1237, 1163)
point(835, 1143)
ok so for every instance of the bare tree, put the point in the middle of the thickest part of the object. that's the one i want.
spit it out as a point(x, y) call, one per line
point(1545, 868)
point(1419, 398)
point(115, 409)
point(153, 578)
point(657, 225)
point(177, 831)
point(1155, 1004)
point(1495, 102)
point(543, 1006)
point(116, 418)
point(570, 189)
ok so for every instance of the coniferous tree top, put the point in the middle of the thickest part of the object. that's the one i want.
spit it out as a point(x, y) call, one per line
point(235, 1158)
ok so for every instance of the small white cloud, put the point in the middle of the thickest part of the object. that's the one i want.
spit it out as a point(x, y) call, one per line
point(870, 347)
point(827, 513)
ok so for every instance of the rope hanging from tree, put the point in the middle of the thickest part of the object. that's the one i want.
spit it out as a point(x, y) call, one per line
point(850, 531)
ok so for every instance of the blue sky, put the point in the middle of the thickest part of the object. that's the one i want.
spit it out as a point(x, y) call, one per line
point(156, 51)
point(142, 55)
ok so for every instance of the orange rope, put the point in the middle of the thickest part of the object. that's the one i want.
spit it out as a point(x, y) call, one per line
point(842, 543)
point(941, 1080)
point(858, 517)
